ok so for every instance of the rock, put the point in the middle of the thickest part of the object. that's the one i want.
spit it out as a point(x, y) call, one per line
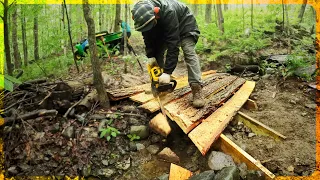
point(89, 133)
point(24, 167)
point(193, 167)
point(292, 102)
point(304, 114)
point(13, 170)
point(55, 128)
point(69, 132)
point(270, 71)
point(163, 177)
point(228, 173)
point(105, 162)
point(140, 146)
point(106, 172)
point(228, 135)
point(305, 71)
point(132, 146)
point(123, 165)
point(281, 59)
point(191, 150)
point(97, 116)
point(300, 169)
point(80, 118)
point(141, 131)
point(155, 138)
point(250, 135)
point(311, 106)
point(121, 124)
point(290, 168)
point(243, 170)
point(129, 109)
point(267, 76)
point(218, 160)
point(206, 175)
point(256, 78)
point(168, 155)
point(86, 171)
point(133, 121)
point(255, 175)
point(272, 166)
point(153, 149)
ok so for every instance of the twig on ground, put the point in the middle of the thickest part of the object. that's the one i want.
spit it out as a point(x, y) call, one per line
point(68, 111)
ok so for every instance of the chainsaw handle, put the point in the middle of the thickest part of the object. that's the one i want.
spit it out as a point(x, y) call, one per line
point(174, 83)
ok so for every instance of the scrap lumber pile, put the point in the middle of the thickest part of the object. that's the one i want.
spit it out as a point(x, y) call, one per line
point(224, 94)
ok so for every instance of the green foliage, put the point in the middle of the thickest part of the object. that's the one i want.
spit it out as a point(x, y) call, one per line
point(133, 137)
point(109, 132)
point(7, 82)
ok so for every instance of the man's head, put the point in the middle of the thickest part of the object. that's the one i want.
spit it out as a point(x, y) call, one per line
point(143, 14)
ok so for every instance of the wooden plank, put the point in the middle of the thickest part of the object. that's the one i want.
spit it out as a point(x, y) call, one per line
point(188, 117)
point(153, 105)
point(251, 105)
point(179, 173)
point(240, 156)
point(209, 130)
point(181, 82)
point(160, 125)
point(258, 127)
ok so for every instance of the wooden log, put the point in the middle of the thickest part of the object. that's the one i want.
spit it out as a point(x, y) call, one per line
point(86, 102)
point(258, 127)
point(160, 125)
point(188, 117)
point(225, 145)
point(179, 173)
point(251, 105)
point(30, 115)
point(123, 93)
point(181, 82)
point(210, 129)
point(153, 105)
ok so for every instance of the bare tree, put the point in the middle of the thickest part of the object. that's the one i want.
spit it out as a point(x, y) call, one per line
point(117, 17)
point(96, 66)
point(24, 36)
point(16, 53)
point(36, 38)
point(220, 17)
point(195, 7)
point(302, 9)
point(252, 14)
point(208, 11)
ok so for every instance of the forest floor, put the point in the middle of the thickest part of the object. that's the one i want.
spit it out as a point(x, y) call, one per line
point(40, 147)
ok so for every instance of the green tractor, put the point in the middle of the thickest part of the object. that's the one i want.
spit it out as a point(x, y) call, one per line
point(107, 43)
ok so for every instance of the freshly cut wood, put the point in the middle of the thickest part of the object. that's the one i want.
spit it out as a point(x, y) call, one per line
point(188, 117)
point(179, 173)
point(153, 105)
point(30, 115)
point(258, 127)
point(160, 125)
point(240, 156)
point(210, 129)
point(181, 82)
point(251, 105)
point(86, 102)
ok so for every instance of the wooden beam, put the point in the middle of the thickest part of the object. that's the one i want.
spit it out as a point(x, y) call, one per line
point(188, 117)
point(160, 125)
point(210, 129)
point(251, 105)
point(153, 105)
point(179, 173)
point(181, 82)
point(225, 145)
point(258, 127)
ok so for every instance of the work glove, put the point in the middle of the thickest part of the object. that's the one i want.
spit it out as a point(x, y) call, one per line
point(164, 78)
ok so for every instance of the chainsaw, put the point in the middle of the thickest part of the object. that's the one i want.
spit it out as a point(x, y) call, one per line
point(157, 88)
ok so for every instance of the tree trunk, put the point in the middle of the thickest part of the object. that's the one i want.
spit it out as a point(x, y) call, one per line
point(251, 14)
point(35, 36)
point(242, 17)
point(6, 37)
point(96, 66)
point(195, 8)
point(70, 39)
point(125, 39)
point(288, 30)
point(225, 7)
point(303, 8)
point(16, 53)
point(100, 17)
point(208, 11)
point(24, 37)
point(117, 17)
point(220, 17)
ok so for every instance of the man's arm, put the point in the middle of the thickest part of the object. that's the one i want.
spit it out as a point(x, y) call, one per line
point(148, 41)
point(172, 38)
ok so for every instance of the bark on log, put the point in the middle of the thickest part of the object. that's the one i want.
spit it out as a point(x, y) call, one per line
point(86, 103)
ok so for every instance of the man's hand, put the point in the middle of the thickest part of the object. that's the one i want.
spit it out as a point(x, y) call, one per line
point(164, 78)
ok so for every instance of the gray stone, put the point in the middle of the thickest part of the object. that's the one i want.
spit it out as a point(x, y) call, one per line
point(267, 76)
point(292, 102)
point(141, 131)
point(86, 171)
point(123, 165)
point(97, 116)
point(102, 124)
point(270, 71)
point(193, 167)
point(55, 128)
point(250, 135)
point(278, 58)
point(243, 170)
point(134, 121)
point(256, 78)
point(80, 118)
point(168, 155)
point(69, 132)
point(129, 109)
point(13, 170)
point(255, 175)
point(218, 160)
point(153, 149)
point(305, 71)
point(163, 177)
point(38, 135)
point(24, 167)
point(228, 173)
point(140, 146)
point(311, 106)
point(206, 175)
point(106, 172)
point(90, 133)
point(155, 138)
point(191, 150)
point(132, 146)
point(105, 162)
